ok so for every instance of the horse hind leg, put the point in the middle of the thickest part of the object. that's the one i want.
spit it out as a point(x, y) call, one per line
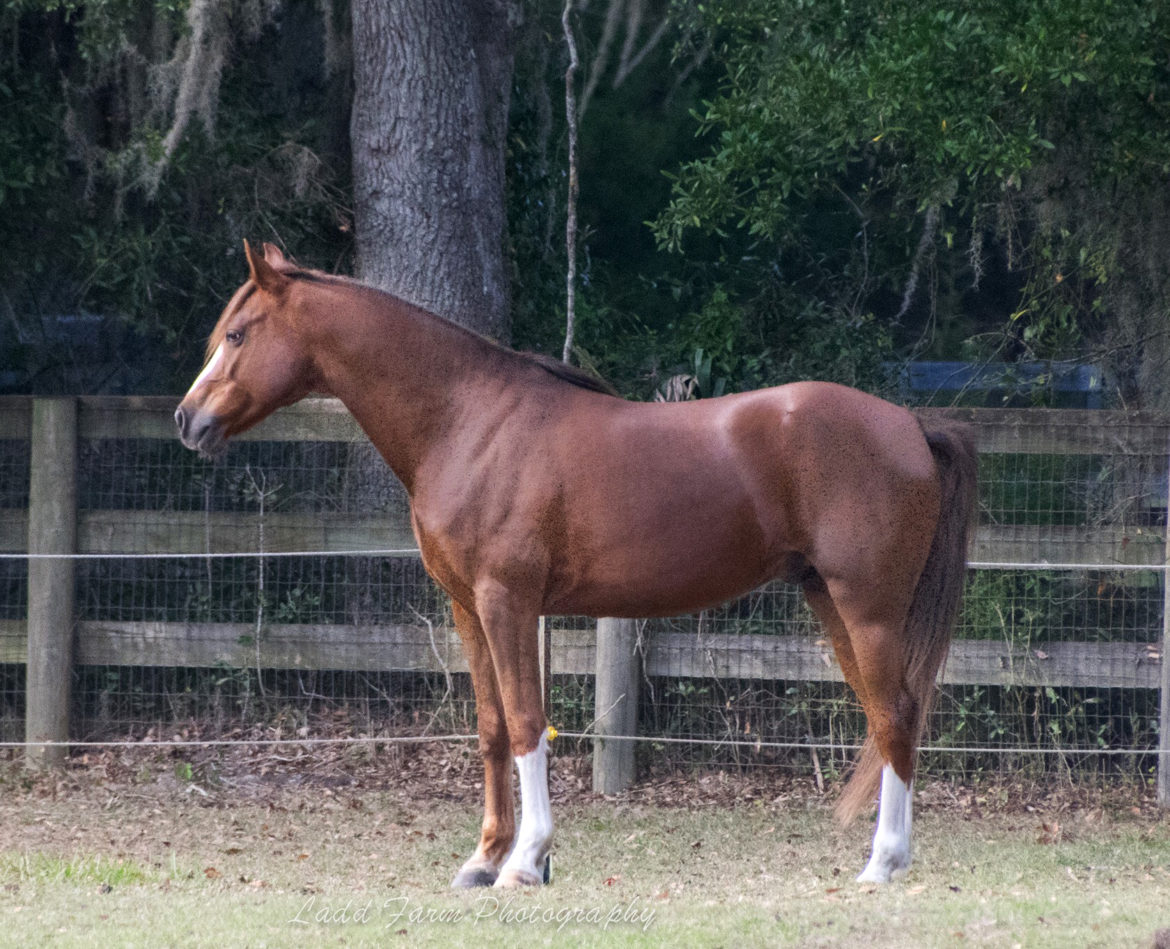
point(818, 598)
point(890, 857)
point(499, 823)
point(866, 773)
point(873, 663)
point(893, 715)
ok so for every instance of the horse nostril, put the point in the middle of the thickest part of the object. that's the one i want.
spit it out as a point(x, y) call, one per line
point(181, 419)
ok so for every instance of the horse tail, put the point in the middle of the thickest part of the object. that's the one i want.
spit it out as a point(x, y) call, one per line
point(935, 605)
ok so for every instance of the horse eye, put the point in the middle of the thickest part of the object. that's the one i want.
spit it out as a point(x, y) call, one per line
point(235, 337)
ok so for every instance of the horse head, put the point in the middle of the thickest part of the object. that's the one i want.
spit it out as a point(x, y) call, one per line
point(257, 360)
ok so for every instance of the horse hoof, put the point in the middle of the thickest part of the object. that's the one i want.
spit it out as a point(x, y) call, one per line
point(510, 879)
point(884, 870)
point(471, 877)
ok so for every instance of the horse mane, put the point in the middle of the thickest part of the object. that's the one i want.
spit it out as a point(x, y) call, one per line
point(561, 370)
point(571, 374)
point(581, 378)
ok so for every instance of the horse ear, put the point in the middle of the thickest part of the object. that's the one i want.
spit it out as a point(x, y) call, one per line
point(274, 255)
point(263, 274)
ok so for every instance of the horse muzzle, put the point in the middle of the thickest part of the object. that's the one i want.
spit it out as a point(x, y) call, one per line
point(200, 431)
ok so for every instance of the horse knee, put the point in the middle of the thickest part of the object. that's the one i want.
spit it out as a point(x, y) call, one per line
point(526, 730)
point(493, 735)
point(495, 746)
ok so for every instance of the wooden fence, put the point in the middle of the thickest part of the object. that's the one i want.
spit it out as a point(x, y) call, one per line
point(51, 642)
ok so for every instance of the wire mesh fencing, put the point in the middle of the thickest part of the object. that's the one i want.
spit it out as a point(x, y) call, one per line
point(276, 594)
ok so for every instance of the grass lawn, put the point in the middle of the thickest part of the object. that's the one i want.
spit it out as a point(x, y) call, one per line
point(159, 860)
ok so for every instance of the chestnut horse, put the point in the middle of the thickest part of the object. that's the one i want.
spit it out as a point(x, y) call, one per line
point(535, 491)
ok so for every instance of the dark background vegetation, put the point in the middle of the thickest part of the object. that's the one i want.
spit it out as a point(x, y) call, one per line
point(774, 190)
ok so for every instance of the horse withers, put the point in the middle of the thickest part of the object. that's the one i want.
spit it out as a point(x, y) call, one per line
point(534, 491)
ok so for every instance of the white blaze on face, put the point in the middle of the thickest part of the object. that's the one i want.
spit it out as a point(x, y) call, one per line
point(208, 370)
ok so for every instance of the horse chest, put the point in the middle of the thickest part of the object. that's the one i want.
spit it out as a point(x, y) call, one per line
point(462, 544)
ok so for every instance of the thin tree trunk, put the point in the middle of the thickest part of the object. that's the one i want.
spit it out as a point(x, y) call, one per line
point(571, 203)
point(432, 81)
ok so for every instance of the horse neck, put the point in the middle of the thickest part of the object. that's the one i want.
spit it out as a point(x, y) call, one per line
point(398, 369)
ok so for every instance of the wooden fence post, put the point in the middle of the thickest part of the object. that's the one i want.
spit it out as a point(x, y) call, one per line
point(52, 529)
point(1164, 717)
point(615, 704)
point(1164, 697)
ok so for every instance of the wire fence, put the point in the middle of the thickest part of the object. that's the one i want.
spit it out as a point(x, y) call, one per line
point(243, 600)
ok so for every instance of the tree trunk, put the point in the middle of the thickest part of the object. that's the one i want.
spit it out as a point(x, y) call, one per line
point(432, 81)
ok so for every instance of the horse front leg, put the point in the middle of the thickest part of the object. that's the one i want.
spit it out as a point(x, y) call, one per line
point(499, 822)
point(510, 623)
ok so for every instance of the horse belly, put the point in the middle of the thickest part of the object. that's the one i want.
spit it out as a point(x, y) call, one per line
point(674, 559)
point(640, 592)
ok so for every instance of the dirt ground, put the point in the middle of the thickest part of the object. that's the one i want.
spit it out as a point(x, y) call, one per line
point(416, 774)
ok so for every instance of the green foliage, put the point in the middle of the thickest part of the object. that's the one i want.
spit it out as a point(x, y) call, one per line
point(28, 160)
point(629, 295)
point(92, 219)
point(920, 100)
point(843, 152)
point(1004, 118)
point(1037, 488)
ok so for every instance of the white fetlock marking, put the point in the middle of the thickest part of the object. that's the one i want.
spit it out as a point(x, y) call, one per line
point(891, 841)
point(532, 840)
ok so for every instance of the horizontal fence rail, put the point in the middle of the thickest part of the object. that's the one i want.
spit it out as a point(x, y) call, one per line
point(1071, 548)
point(413, 648)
